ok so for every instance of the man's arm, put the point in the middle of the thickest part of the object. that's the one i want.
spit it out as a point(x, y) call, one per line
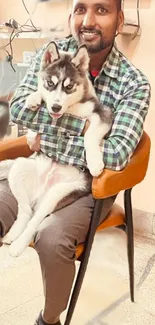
point(128, 127)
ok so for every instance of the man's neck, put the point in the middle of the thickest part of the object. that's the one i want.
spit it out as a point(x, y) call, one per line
point(97, 59)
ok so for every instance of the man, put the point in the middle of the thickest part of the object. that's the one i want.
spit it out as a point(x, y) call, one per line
point(119, 85)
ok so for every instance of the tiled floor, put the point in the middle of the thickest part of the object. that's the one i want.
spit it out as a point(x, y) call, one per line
point(104, 299)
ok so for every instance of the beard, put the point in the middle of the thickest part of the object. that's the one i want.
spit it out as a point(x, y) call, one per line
point(98, 47)
point(93, 46)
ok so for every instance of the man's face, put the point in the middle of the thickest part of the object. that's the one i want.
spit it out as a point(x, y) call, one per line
point(95, 23)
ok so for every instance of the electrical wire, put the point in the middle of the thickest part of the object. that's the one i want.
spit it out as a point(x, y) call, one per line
point(23, 2)
point(11, 38)
point(24, 28)
point(11, 50)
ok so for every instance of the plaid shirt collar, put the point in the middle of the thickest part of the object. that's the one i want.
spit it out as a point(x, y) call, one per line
point(110, 66)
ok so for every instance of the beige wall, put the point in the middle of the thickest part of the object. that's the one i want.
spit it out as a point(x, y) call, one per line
point(140, 51)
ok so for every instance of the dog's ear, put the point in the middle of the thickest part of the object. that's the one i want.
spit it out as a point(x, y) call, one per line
point(50, 55)
point(81, 58)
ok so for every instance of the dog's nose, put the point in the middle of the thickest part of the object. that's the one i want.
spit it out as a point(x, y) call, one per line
point(56, 108)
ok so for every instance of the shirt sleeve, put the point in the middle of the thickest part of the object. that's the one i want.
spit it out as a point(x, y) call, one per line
point(128, 126)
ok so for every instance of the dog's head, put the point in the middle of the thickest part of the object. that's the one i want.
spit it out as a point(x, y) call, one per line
point(62, 77)
point(4, 117)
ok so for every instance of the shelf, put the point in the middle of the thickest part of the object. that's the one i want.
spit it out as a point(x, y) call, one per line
point(131, 24)
point(5, 33)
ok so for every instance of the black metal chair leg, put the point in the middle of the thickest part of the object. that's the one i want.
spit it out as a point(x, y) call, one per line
point(88, 245)
point(130, 239)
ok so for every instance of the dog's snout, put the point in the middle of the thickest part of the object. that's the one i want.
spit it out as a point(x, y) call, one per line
point(56, 108)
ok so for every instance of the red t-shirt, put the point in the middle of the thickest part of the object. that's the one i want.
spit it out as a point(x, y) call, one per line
point(94, 73)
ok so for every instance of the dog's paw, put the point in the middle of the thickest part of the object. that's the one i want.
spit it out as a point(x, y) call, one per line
point(7, 239)
point(16, 248)
point(33, 101)
point(12, 235)
point(95, 168)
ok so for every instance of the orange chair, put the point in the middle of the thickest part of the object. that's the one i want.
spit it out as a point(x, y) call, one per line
point(108, 184)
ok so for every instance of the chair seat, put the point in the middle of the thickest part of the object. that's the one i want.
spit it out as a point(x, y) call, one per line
point(116, 217)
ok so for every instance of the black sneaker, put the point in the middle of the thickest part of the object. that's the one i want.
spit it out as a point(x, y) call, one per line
point(40, 321)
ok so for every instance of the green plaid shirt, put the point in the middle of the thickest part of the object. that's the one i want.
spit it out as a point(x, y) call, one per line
point(119, 86)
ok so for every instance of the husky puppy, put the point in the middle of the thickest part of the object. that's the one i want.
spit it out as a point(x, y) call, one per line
point(38, 183)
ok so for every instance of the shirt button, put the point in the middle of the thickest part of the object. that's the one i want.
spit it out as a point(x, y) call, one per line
point(50, 154)
point(68, 134)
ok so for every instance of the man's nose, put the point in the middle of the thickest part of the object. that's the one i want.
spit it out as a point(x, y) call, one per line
point(89, 20)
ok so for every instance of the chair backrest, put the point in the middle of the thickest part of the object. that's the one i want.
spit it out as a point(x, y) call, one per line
point(141, 156)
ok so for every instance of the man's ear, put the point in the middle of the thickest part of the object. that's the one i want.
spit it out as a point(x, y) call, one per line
point(81, 58)
point(120, 23)
point(69, 20)
point(50, 55)
point(69, 24)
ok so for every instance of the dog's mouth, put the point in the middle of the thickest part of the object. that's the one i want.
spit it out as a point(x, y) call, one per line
point(56, 115)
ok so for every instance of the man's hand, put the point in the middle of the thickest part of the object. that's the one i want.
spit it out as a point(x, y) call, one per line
point(86, 127)
point(33, 140)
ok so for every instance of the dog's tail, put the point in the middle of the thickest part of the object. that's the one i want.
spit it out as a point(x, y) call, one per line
point(4, 117)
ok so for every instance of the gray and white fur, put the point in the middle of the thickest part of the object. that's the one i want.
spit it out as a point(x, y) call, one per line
point(39, 184)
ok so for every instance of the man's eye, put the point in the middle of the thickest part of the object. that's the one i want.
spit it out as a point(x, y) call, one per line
point(101, 10)
point(79, 10)
point(69, 87)
point(50, 83)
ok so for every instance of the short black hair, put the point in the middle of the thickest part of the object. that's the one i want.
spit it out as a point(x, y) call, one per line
point(119, 4)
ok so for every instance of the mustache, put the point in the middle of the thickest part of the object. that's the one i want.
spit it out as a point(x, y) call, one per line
point(90, 30)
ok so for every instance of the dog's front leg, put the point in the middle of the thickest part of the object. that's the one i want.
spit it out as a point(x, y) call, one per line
point(23, 217)
point(92, 139)
point(46, 207)
point(34, 101)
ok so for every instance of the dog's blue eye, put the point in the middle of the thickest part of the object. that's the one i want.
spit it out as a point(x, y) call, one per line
point(50, 83)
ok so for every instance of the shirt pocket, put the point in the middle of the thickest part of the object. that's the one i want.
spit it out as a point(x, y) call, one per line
point(71, 150)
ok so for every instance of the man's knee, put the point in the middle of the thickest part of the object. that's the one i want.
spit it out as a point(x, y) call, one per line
point(60, 233)
point(54, 244)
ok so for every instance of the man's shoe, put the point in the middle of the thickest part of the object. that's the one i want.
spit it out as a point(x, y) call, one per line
point(40, 321)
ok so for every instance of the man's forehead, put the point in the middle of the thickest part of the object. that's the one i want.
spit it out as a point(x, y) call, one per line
point(86, 2)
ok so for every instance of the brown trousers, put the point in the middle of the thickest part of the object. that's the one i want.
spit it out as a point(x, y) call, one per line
point(55, 243)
